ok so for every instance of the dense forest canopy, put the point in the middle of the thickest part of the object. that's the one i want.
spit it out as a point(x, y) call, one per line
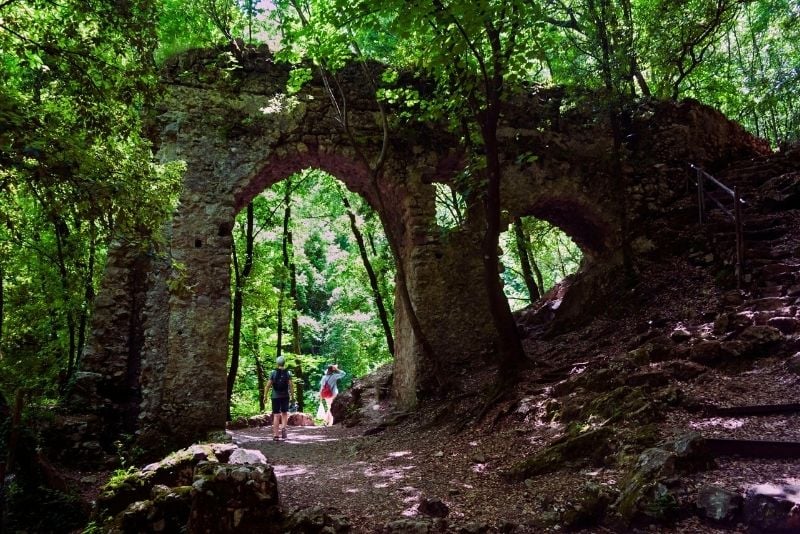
point(76, 170)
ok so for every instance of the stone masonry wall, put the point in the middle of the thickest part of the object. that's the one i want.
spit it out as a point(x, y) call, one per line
point(160, 337)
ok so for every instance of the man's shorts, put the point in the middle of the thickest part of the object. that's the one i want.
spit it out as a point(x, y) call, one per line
point(280, 405)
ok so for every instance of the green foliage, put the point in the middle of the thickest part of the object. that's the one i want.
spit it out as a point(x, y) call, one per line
point(335, 309)
point(40, 509)
point(74, 171)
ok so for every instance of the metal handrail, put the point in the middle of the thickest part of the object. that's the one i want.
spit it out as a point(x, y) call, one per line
point(735, 213)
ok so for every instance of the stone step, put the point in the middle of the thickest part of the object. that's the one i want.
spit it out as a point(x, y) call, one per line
point(764, 234)
point(768, 254)
point(752, 410)
point(769, 303)
point(750, 448)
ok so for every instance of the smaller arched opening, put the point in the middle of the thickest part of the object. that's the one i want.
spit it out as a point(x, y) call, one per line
point(547, 248)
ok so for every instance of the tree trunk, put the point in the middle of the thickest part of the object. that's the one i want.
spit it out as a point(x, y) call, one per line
point(287, 216)
point(61, 231)
point(2, 303)
point(522, 249)
point(373, 279)
point(538, 273)
point(88, 293)
point(512, 355)
point(382, 275)
point(614, 111)
point(262, 382)
point(288, 258)
point(240, 279)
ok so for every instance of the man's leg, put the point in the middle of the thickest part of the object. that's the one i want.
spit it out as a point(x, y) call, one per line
point(276, 419)
point(285, 417)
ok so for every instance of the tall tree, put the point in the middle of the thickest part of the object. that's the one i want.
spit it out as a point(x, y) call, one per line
point(240, 276)
point(373, 279)
point(525, 262)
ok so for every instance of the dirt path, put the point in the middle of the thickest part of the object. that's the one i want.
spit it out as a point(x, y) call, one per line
point(374, 480)
point(331, 466)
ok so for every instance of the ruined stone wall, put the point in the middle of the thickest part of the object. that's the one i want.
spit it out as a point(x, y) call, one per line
point(160, 338)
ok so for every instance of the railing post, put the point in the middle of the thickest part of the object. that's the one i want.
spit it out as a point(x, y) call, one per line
point(737, 212)
point(701, 195)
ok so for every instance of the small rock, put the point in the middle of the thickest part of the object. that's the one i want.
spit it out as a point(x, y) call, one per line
point(680, 335)
point(247, 456)
point(733, 298)
point(786, 325)
point(793, 364)
point(433, 507)
point(479, 458)
point(473, 528)
point(683, 370)
point(773, 507)
point(438, 454)
point(718, 504)
point(761, 335)
point(89, 480)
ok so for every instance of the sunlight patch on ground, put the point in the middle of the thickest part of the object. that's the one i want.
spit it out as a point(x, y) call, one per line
point(282, 471)
point(297, 435)
point(723, 422)
point(399, 454)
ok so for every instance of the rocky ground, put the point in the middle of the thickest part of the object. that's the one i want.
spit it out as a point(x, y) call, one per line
point(621, 425)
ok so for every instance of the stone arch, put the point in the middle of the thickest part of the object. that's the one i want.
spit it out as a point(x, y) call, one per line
point(160, 329)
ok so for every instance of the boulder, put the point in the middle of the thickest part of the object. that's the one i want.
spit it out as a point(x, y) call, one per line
point(718, 504)
point(366, 401)
point(652, 379)
point(160, 492)
point(772, 507)
point(300, 419)
point(233, 498)
point(647, 491)
point(758, 337)
point(679, 335)
point(782, 192)
point(588, 507)
point(711, 353)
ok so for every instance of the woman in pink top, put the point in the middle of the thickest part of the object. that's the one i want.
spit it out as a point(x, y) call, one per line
point(328, 389)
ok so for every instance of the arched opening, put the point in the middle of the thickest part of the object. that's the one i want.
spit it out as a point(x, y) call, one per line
point(312, 279)
point(537, 255)
point(547, 248)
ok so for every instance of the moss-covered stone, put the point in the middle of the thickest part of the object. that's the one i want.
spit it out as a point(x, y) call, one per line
point(647, 491)
point(588, 508)
point(622, 404)
point(587, 446)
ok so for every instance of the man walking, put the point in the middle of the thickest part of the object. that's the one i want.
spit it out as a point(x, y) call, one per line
point(280, 382)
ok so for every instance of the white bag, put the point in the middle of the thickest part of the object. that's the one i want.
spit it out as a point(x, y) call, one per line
point(320, 412)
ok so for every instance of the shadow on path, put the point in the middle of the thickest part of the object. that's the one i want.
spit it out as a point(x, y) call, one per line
point(330, 466)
